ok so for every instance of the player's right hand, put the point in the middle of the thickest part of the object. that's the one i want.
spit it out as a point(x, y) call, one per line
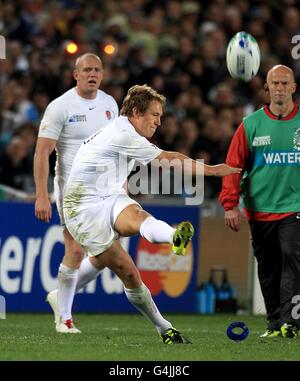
point(225, 170)
point(233, 219)
point(43, 209)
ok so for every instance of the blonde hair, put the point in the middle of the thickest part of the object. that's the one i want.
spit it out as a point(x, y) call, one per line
point(83, 56)
point(140, 97)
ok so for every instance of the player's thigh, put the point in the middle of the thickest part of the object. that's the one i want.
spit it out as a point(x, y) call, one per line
point(130, 219)
point(74, 253)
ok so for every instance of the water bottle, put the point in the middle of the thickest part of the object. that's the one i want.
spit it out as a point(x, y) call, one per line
point(201, 300)
point(210, 298)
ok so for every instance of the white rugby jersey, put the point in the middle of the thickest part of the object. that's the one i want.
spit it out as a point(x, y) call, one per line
point(105, 159)
point(70, 119)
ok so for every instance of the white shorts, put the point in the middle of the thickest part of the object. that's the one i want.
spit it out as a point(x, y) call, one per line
point(92, 225)
point(59, 185)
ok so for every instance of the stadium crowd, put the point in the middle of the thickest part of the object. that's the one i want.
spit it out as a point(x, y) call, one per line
point(177, 47)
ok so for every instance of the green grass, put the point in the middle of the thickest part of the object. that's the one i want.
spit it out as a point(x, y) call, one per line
point(131, 337)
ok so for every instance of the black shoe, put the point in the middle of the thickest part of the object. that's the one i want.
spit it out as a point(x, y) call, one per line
point(172, 336)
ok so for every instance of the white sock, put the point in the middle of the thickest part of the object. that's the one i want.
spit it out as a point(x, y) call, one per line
point(67, 279)
point(87, 272)
point(142, 300)
point(156, 231)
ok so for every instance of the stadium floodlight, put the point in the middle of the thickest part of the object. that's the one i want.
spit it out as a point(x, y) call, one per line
point(110, 49)
point(71, 47)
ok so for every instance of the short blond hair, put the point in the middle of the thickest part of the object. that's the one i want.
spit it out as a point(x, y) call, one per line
point(140, 97)
point(83, 56)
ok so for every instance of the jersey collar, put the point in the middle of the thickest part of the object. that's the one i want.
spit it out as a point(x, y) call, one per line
point(288, 117)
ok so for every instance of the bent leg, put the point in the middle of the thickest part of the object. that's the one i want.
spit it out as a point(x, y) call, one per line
point(119, 261)
point(130, 219)
point(133, 220)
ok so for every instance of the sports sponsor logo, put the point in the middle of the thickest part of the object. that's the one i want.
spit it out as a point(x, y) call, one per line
point(161, 270)
point(77, 118)
point(240, 64)
point(261, 141)
point(277, 158)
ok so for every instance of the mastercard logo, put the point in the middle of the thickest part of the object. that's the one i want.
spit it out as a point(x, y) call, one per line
point(161, 270)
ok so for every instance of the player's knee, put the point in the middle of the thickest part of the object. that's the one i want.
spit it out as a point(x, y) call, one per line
point(78, 254)
point(74, 255)
point(141, 215)
point(135, 223)
point(132, 281)
point(129, 276)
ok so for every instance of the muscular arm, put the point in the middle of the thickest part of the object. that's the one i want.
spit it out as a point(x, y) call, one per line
point(197, 167)
point(44, 148)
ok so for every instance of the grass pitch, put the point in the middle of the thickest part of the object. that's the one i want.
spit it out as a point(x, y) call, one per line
point(114, 337)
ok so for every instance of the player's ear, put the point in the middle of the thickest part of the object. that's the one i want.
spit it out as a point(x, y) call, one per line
point(135, 111)
point(294, 88)
point(266, 87)
point(75, 74)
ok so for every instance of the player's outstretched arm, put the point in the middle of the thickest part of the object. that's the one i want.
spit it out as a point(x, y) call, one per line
point(197, 168)
point(220, 170)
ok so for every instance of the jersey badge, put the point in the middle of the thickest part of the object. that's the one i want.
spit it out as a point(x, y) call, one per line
point(261, 141)
point(77, 118)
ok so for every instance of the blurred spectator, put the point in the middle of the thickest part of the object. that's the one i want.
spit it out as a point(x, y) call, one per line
point(12, 164)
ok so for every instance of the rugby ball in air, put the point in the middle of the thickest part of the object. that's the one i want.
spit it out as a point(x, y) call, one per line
point(243, 56)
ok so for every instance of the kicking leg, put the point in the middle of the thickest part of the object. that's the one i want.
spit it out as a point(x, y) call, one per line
point(133, 219)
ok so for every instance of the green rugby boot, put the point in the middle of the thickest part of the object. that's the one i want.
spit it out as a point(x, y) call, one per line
point(289, 331)
point(182, 236)
point(172, 336)
point(271, 333)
